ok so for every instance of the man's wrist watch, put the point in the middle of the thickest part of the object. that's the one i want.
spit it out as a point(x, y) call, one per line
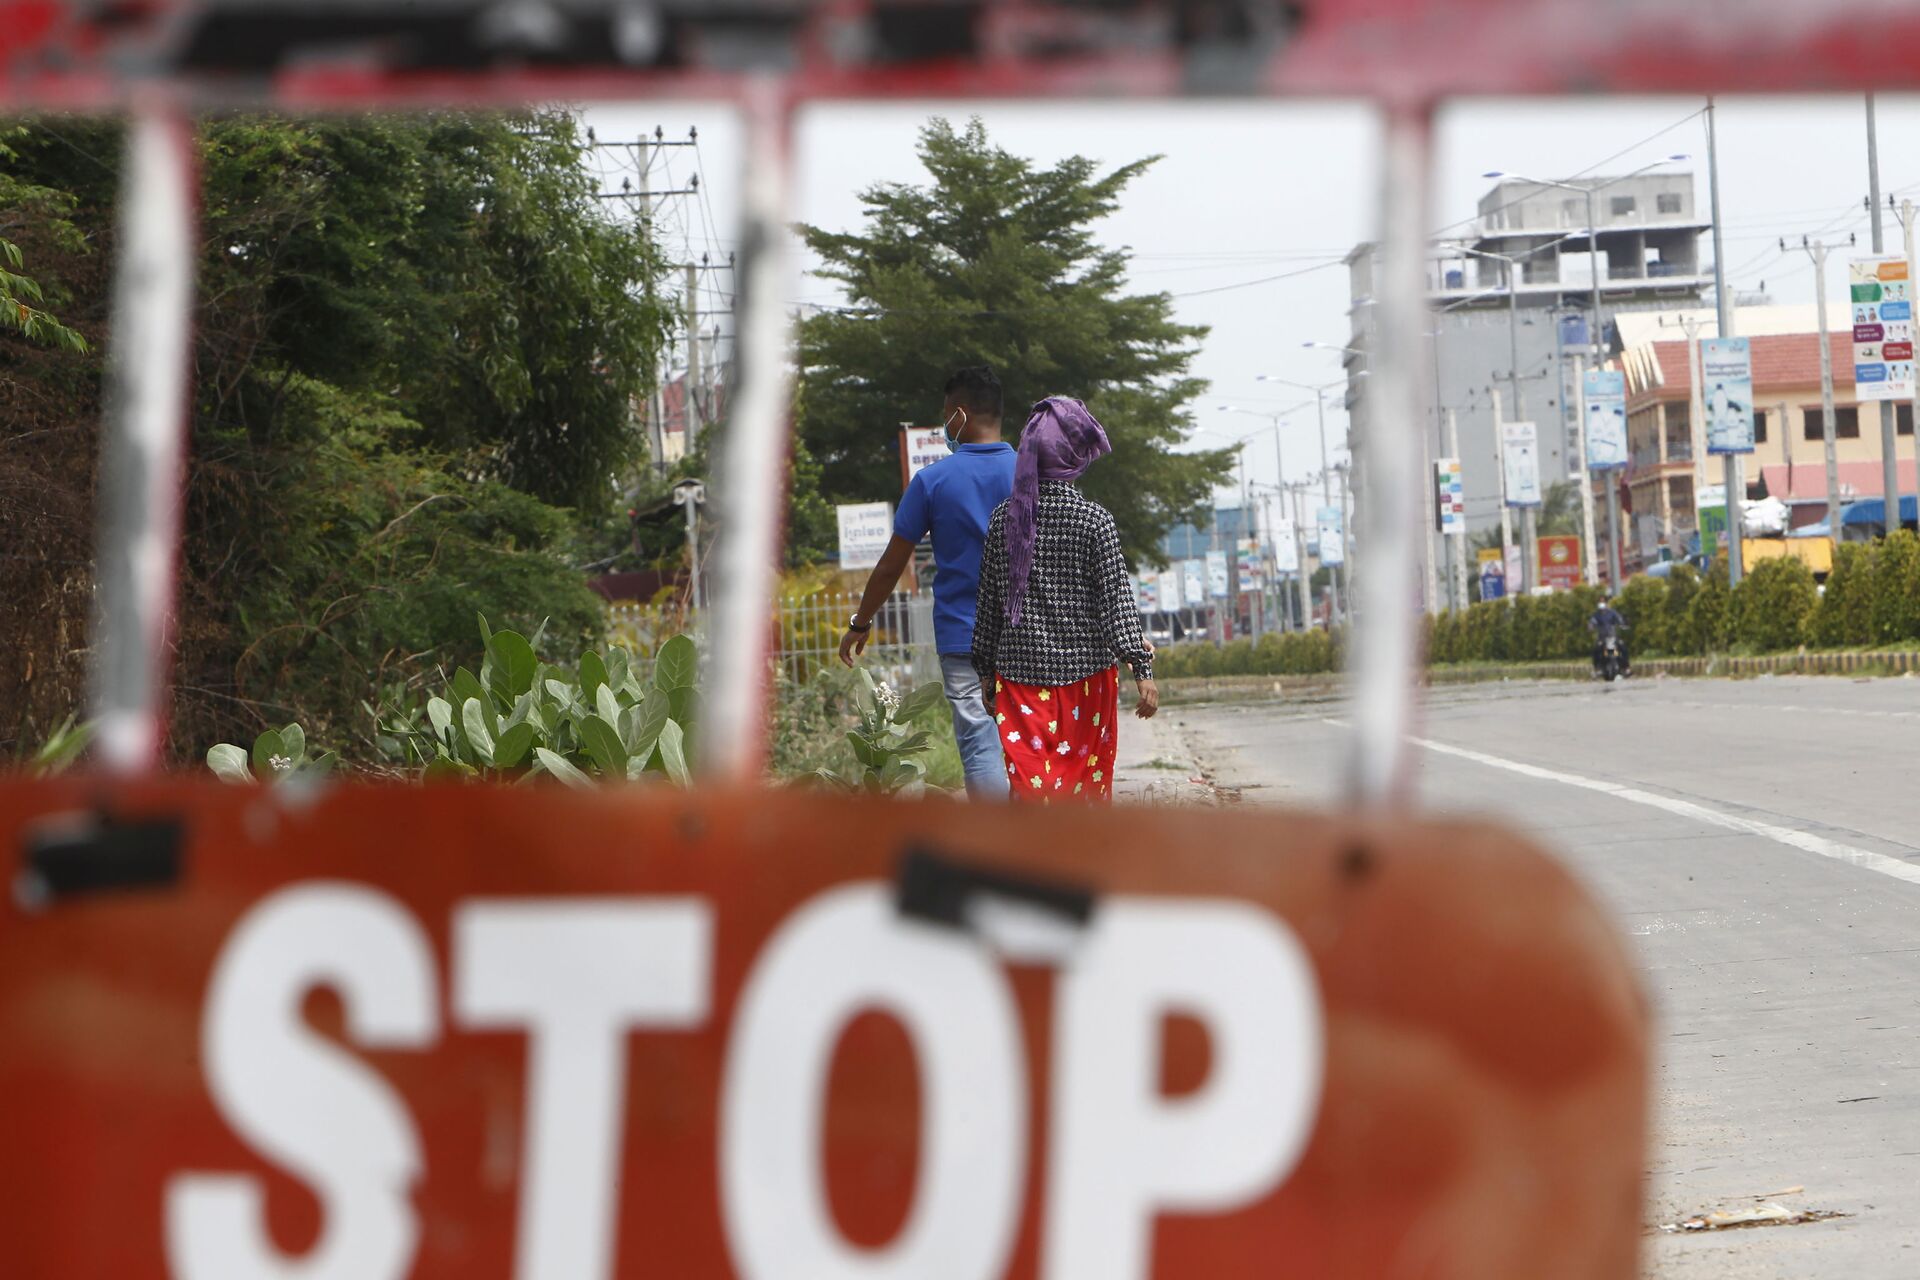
point(854, 624)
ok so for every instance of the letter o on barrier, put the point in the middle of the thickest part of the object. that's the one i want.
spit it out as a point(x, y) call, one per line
point(841, 954)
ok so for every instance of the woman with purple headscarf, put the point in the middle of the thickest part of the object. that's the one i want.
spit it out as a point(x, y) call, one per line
point(1055, 615)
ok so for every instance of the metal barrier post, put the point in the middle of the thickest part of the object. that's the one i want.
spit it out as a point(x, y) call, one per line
point(144, 441)
point(1386, 640)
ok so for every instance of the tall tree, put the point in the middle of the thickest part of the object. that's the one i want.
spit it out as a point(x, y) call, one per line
point(994, 261)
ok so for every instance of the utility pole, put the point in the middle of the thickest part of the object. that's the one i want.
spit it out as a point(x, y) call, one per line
point(1500, 460)
point(1305, 589)
point(1529, 532)
point(1586, 487)
point(1736, 512)
point(695, 422)
point(1459, 539)
point(1913, 408)
point(637, 193)
point(1818, 252)
point(1697, 426)
point(1889, 445)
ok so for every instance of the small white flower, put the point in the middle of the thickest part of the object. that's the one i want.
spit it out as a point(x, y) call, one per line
point(1013, 735)
point(887, 697)
point(280, 764)
point(1064, 747)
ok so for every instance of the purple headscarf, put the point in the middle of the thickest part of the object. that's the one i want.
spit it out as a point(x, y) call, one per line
point(1061, 441)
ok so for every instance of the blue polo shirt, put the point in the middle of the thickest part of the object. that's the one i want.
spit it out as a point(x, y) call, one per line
point(954, 498)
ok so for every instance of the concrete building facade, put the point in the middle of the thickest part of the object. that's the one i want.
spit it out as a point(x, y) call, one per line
point(1648, 241)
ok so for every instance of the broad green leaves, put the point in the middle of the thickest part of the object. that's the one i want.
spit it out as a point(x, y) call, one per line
point(886, 745)
point(611, 719)
point(278, 755)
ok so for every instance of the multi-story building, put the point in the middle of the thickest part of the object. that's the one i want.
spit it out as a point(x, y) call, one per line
point(1789, 458)
point(1648, 240)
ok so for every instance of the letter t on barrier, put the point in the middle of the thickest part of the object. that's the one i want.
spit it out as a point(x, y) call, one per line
point(579, 978)
point(1121, 1151)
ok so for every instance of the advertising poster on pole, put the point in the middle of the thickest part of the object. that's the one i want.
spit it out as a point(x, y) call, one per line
point(1516, 571)
point(1559, 561)
point(1170, 591)
point(1726, 381)
point(1193, 583)
point(1882, 329)
point(1251, 574)
point(1523, 464)
point(1328, 520)
point(1493, 574)
point(1606, 394)
point(1217, 574)
point(865, 530)
point(1286, 549)
point(1450, 496)
point(920, 448)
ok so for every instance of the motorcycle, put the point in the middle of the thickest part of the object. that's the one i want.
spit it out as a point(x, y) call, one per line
point(1609, 666)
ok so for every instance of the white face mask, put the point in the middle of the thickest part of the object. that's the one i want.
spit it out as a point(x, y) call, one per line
point(947, 429)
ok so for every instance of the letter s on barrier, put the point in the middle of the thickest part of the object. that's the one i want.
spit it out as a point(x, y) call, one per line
point(301, 1102)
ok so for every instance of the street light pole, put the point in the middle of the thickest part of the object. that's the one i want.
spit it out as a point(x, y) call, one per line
point(1723, 301)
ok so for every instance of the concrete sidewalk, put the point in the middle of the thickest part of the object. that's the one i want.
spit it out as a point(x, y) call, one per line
point(1155, 766)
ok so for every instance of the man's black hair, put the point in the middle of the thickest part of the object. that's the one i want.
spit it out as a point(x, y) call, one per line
point(977, 390)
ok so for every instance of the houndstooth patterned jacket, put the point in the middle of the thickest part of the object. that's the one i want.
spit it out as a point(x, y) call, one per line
point(1079, 615)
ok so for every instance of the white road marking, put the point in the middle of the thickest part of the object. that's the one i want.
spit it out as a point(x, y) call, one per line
point(1867, 859)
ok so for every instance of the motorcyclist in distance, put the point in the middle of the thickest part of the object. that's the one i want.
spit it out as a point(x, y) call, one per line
point(1607, 624)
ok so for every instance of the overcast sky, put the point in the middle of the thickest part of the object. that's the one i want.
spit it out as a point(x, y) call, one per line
point(1249, 193)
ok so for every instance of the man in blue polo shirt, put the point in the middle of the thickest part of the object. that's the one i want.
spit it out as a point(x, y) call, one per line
point(952, 499)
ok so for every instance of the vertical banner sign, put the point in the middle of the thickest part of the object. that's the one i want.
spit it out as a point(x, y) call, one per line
point(865, 530)
point(1726, 380)
point(1450, 496)
point(1606, 391)
point(1217, 574)
point(1250, 566)
point(920, 448)
point(1146, 594)
point(1516, 571)
point(1286, 551)
point(1559, 561)
point(1493, 574)
point(1170, 591)
point(1193, 583)
point(1331, 552)
point(1882, 329)
point(1523, 464)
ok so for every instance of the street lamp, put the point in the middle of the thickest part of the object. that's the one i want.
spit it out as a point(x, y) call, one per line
point(1320, 402)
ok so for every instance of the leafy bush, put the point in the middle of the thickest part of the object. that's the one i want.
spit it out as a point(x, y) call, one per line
point(1709, 625)
point(1642, 601)
point(813, 718)
point(887, 745)
point(521, 718)
point(1773, 603)
point(1896, 588)
point(1845, 615)
point(1683, 584)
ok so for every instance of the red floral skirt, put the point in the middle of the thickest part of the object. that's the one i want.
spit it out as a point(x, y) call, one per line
point(1059, 742)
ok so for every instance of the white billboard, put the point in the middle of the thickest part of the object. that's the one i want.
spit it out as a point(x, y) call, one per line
point(1521, 443)
point(865, 530)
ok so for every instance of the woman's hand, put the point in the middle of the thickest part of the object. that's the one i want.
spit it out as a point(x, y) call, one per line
point(1149, 698)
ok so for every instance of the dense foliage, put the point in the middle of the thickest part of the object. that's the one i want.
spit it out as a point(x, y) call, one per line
point(1872, 598)
point(418, 344)
point(993, 261)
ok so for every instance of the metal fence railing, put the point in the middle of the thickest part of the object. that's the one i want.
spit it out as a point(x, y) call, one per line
point(900, 650)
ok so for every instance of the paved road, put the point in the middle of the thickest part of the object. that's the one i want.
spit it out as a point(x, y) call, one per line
point(1760, 842)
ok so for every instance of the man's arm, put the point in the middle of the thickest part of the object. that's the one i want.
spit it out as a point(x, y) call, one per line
point(880, 585)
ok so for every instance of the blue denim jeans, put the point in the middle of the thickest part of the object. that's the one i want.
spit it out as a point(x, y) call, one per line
point(973, 726)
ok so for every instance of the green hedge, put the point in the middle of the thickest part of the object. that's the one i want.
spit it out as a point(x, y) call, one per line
point(1871, 598)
